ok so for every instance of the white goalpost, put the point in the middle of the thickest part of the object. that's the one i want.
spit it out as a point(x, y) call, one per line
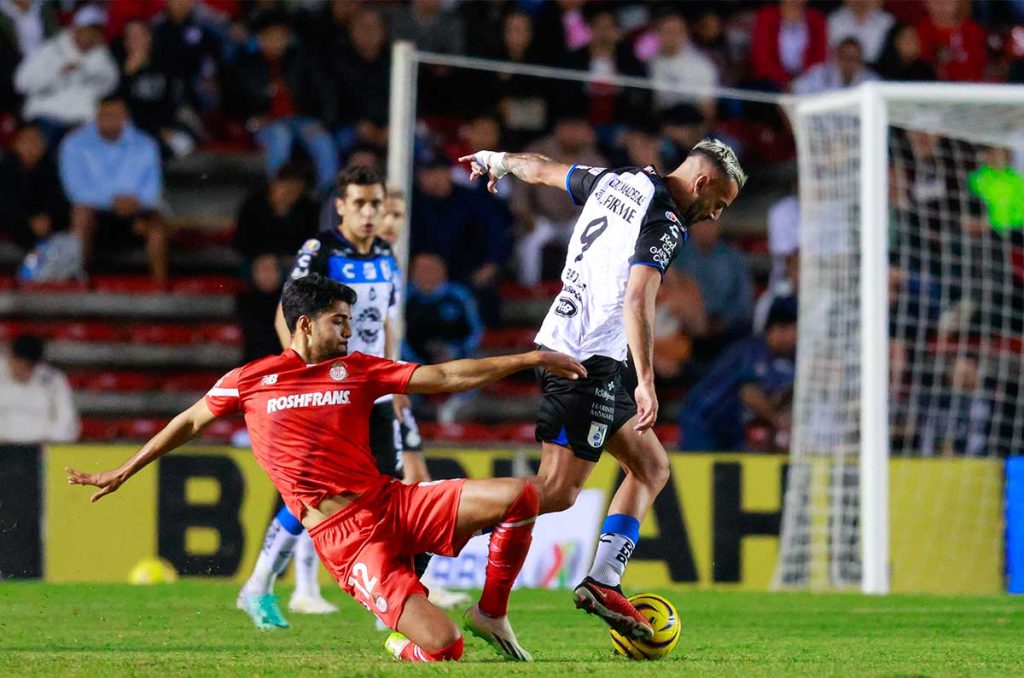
point(887, 174)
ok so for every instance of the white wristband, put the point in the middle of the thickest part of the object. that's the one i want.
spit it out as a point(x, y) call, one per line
point(498, 165)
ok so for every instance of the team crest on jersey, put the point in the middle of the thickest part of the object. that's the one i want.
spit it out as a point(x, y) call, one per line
point(268, 380)
point(311, 246)
point(597, 434)
point(338, 372)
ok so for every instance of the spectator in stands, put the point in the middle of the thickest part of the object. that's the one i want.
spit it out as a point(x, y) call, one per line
point(752, 380)
point(523, 103)
point(278, 218)
point(111, 173)
point(35, 400)
point(901, 57)
point(284, 97)
point(726, 287)
point(679, 318)
point(953, 42)
point(956, 416)
point(31, 22)
point(606, 55)
point(561, 29)
point(545, 216)
point(363, 73)
point(784, 288)
point(469, 232)
point(256, 307)
point(788, 39)
point(189, 48)
point(63, 80)
point(680, 128)
point(152, 94)
point(709, 36)
point(864, 20)
point(328, 26)
point(431, 26)
point(442, 321)
point(679, 64)
point(783, 231)
point(845, 69)
point(32, 202)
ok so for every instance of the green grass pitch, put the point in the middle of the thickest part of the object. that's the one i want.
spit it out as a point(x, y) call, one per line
point(192, 628)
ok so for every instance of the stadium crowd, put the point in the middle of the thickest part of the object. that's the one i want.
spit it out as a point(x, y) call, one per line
point(97, 97)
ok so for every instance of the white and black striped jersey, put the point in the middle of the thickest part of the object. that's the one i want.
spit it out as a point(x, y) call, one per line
point(629, 219)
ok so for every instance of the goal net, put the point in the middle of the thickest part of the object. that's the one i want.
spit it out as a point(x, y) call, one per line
point(910, 326)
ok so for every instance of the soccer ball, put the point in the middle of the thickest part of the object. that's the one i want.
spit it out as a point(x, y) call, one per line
point(152, 571)
point(664, 620)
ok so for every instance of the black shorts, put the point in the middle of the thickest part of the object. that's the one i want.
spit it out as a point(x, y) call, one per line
point(384, 441)
point(583, 414)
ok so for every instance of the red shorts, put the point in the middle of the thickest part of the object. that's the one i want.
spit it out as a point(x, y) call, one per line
point(369, 545)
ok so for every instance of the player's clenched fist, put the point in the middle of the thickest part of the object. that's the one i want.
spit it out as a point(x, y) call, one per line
point(561, 365)
point(486, 163)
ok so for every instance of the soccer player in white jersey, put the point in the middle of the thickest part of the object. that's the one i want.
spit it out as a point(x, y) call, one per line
point(632, 223)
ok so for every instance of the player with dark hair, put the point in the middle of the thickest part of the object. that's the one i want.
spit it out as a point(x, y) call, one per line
point(633, 221)
point(308, 414)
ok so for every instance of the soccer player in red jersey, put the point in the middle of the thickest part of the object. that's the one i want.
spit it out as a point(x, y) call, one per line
point(307, 411)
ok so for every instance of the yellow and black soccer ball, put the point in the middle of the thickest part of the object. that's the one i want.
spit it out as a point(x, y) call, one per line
point(665, 622)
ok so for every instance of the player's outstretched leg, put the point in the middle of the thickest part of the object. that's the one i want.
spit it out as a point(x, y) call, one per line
point(509, 544)
point(647, 470)
point(307, 599)
point(257, 597)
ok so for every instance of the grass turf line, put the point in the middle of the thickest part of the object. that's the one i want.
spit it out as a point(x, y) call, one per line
point(192, 628)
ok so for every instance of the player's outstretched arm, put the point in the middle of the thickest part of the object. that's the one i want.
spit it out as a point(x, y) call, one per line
point(638, 307)
point(533, 168)
point(179, 431)
point(465, 375)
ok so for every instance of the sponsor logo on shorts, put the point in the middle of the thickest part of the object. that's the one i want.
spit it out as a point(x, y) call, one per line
point(566, 308)
point(269, 380)
point(606, 393)
point(338, 372)
point(317, 399)
point(597, 434)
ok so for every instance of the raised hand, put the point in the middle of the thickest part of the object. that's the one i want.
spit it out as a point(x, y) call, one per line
point(486, 163)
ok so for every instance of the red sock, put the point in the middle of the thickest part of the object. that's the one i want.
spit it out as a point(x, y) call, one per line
point(414, 653)
point(510, 542)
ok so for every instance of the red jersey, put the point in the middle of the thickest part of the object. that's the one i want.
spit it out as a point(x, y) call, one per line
point(310, 424)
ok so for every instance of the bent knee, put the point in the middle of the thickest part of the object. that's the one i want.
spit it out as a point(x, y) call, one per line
point(555, 498)
point(653, 470)
point(443, 638)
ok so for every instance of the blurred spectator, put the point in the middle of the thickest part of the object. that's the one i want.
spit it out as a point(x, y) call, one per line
point(783, 232)
point(561, 28)
point(547, 216)
point(35, 399)
point(607, 56)
point(111, 173)
point(393, 221)
point(256, 307)
point(956, 415)
point(752, 380)
point(846, 69)
point(953, 42)
point(190, 49)
point(363, 73)
point(442, 322)
point(680, 128)
point(679, 64)
point(784, 289)
point(328, 27)
point(788, 39)
point(725, 283)
point(429, 25)
point(278, 218)
point(864, 20)
point(31, 22)
point(901, 57)
point(522, 102)
point(32, 202)
point(678, 307)
point(637, 145)
point(63, 80)
point(152, 95)
point(709, 36)
point(284, 97)
point(468, 231)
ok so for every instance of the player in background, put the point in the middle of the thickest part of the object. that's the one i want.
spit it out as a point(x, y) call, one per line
point(348, 252)
point(632, 223)
point(308, 414)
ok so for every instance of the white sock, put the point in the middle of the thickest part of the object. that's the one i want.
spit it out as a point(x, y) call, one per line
point(613, 552)
point(307, 567)
point(273, 559)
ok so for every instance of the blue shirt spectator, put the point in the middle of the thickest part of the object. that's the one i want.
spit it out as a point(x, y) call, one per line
point(442, 322)
point(723, 277)
point(96, 168)
point(752, 379)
